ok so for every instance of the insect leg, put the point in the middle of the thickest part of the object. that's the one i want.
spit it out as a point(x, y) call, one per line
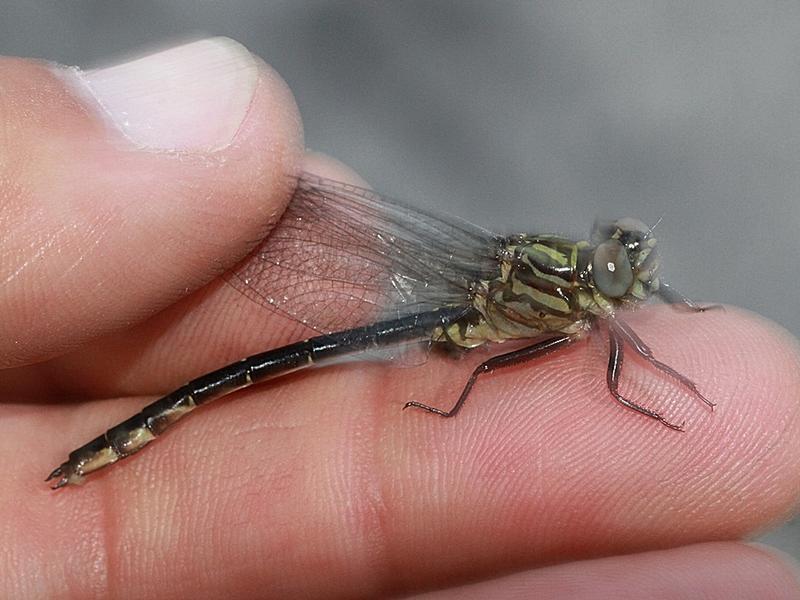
point(538, 349)
point(615, 357)
point(629, 335)
point(673, 297)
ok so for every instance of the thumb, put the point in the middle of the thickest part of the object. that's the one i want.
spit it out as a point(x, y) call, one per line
point(125, 187)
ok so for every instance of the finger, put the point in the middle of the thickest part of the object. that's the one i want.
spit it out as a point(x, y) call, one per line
point(320, 477)
point(714, 571)
point(128, 186)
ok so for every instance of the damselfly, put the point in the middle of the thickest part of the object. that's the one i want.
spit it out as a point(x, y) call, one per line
point(368, 272)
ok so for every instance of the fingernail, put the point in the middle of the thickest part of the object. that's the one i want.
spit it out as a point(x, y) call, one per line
point(190, 97)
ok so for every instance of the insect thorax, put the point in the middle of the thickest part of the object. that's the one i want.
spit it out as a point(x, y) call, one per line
point(543, 285)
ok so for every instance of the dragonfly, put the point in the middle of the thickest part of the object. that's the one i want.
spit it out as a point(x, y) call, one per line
point(369, 273)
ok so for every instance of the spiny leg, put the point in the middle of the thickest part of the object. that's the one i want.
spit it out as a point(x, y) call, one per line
point(642, 349)
point(673, 297)
point(508, 359)
point(615, 358)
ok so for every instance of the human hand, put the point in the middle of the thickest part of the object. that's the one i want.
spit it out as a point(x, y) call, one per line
point(115, 228)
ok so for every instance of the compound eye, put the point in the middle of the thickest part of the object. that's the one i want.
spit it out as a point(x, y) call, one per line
point(612, 270)
point(603, 230)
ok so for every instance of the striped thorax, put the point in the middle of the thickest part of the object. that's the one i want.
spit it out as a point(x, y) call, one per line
point(547, 283)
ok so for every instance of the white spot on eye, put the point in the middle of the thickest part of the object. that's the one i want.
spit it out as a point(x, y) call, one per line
point(611, 267)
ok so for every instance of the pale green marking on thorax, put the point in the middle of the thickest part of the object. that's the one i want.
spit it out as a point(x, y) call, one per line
point(536, 291)
point(547, 284)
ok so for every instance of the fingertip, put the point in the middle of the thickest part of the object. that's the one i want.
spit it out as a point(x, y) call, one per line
point(323, 165)
point(788, 566)
point(735, 466)
point(552, 438)
point(106, 222)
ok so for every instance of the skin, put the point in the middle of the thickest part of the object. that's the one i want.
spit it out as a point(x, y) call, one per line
point(317, 485)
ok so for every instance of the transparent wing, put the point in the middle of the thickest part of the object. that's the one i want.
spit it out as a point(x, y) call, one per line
point(344, 256)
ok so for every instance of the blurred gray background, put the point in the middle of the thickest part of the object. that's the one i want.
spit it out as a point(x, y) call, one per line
point(543, 114)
